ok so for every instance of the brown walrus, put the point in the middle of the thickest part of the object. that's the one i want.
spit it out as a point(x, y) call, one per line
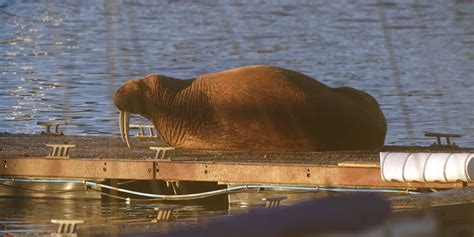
point(253, 108)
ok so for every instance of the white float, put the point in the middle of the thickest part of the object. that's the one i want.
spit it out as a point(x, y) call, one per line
point(427, 167)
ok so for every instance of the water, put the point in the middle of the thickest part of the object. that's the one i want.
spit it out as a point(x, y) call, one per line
point(32, 216)
point(63, 60)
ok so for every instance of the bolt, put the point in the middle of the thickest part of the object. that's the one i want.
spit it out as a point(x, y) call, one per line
point(149, 170)
point(104, 169)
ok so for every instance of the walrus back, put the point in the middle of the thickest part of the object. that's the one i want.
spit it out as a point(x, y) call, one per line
point(271, 108)
point(262, 107)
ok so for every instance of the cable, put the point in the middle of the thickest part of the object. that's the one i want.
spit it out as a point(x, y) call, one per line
point(209, 193)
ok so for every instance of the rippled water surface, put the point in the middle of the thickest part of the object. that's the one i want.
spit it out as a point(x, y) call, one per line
point(63, 60)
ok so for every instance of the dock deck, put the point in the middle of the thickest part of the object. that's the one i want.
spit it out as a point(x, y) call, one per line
point(109, 158)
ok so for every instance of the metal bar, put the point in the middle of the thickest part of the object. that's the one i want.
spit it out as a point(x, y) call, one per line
point(225, 172)
point(436, 134)
point(77, 168)
point(289, 174)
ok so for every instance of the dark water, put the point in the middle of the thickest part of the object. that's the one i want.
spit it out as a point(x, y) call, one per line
point(32, 216)
point(65, 59)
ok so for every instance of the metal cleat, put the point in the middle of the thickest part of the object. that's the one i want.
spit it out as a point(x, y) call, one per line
point(48, 128)
point(67, 228)
point(438, 136)
point(164, 213)
point(273, 202)
point(161, 151)
point(141, 130)
point(59, 150)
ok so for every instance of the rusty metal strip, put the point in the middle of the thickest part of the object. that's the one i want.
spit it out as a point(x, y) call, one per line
point(77, 168)
point(329, 176)
point(241, 173)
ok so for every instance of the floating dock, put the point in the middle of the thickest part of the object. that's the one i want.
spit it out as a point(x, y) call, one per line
point(101, 158)
point(107, 160)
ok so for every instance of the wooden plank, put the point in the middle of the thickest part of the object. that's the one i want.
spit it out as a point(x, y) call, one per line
point(77, 168)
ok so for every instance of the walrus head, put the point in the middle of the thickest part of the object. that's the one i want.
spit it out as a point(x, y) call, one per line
point(147, 97)
point(132, 97)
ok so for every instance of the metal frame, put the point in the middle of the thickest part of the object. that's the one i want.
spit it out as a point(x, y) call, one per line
point(48, 126)
point(224, 172)
point(59, 150)
point(141, 130)
point(161, 151)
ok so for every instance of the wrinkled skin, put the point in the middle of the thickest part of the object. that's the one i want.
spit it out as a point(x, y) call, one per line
point(254, 108)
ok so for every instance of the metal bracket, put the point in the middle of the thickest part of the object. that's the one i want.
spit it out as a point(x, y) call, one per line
point(141, 130)
point(174, 185)
point(273, 202)
point(48, 128)
point(161, 151)
point(438, 136)
point(67, 228)
point(59, 150)
point(164, 213)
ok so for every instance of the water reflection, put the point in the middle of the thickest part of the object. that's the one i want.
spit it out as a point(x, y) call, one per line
point(33, 215)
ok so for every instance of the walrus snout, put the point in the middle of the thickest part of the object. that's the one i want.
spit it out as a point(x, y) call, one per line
point(128, 99)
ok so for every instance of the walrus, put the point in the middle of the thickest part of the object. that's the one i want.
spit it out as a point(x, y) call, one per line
point(253, 108)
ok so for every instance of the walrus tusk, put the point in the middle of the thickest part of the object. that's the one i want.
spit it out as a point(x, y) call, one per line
point(121, 125)
point(124, 123)
point(126, 127)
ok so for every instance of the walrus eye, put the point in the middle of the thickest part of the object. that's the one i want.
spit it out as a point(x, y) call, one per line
point(124, 124)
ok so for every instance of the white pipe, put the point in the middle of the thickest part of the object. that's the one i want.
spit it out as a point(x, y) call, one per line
point(427, 167)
